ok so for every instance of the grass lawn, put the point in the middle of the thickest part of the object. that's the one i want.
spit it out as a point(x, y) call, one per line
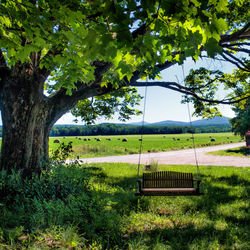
point(153, 143)
point(94, 207)
point(241, 152)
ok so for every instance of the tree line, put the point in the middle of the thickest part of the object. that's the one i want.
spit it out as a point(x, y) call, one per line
point(114, 129)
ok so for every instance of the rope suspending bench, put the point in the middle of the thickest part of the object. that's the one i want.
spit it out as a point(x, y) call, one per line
point(168, 183)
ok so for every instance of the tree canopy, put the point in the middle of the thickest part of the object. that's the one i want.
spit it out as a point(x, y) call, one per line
point(74, 43)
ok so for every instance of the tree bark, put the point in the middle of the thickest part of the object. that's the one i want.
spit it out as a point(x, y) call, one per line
point(26, 131)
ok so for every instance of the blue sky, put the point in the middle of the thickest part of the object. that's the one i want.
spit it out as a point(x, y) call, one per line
point(164, 104)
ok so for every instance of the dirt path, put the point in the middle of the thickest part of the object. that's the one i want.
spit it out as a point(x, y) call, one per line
point(181, 157)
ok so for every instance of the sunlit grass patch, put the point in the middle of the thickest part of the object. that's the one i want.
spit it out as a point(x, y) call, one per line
point(145, 221)
point(240, 152)
point(235, 210)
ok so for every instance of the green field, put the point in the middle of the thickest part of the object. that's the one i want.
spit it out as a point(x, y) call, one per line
point(151, 143)
point(94, 207)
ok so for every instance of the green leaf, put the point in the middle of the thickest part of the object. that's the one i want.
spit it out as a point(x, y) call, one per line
point(212, 47)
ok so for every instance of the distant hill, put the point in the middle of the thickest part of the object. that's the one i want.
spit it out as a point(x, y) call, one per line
point(138, 124)
point(214, 121)
point(203, 122)
point(170, 123)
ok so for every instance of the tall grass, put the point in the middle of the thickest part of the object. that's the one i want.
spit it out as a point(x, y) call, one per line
point(94, 207)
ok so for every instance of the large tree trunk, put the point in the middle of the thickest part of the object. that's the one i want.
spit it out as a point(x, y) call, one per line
point(28, 115)
point(26, 127)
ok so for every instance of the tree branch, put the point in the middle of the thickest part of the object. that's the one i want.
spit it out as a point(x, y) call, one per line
point(184, 90)
point(62, 102)
point(235, 61)
point(2, 60)
point(4, 69)
point(241, 34)
point(239, 49)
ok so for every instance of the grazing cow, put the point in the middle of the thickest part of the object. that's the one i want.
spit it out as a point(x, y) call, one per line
point(56, 141)
point(178, 139)
point(98, 139)
point(212, 139)
point(124, 139)
point(140, 139)
point(85, 139)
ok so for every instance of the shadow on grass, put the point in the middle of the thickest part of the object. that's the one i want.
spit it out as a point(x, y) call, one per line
point(234, 180)
point(190, 238)
point(216, 195)
point(241, 151)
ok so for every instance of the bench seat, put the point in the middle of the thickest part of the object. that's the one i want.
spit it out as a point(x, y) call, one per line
point(168, 183)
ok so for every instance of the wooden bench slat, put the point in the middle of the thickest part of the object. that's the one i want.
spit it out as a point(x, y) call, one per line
point(168, 189)
point(168, 182)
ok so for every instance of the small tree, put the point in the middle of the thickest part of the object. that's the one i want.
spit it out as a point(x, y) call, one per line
point(241, 122)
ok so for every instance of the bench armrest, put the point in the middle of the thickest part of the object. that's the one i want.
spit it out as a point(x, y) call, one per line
point(198, 184)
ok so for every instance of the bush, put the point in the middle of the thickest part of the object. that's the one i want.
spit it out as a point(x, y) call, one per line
point(62, 197)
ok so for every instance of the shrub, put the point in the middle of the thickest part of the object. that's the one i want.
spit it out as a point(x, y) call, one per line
point(62, 153)
point(153, 166)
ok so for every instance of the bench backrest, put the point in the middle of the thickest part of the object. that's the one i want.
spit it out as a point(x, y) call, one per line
point(167, 179)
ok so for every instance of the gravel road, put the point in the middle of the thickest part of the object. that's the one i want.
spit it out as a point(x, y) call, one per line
point(181, 157)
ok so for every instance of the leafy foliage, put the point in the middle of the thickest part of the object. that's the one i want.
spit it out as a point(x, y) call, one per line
point(205, 84)
point(241, 122)
point(62, 152)
point(120, 102)
point(79, 32)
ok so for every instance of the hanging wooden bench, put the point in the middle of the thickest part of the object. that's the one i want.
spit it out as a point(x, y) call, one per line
point(168, 183)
